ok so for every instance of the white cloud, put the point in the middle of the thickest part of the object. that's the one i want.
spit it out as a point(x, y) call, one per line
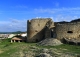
point(44, 11)
point(60, 14)
point(21, 25)
point(59, 18)
point(4, 22)
point(64, 18)
point(59, 10)
point(18, 25)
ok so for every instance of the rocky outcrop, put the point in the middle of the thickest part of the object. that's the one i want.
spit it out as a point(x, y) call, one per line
point(50, 42)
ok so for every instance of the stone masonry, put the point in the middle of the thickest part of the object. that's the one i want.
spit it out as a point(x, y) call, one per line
point(41, 28)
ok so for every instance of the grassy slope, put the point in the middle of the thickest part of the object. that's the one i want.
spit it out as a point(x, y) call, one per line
point(8, 49)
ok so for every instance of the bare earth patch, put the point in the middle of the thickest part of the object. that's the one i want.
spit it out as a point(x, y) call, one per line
point(1, 51)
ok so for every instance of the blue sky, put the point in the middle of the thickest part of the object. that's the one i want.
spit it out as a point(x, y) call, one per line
point(15, 13)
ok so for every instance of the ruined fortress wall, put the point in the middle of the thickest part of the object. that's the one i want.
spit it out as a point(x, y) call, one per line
point(49, 29)
point(36, 29)
point(47, 33)
point(68, 30)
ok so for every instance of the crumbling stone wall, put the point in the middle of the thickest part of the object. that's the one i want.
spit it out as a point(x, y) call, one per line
point(36, 29)
point(41, 28)
point(49, 29)
point(68, 30)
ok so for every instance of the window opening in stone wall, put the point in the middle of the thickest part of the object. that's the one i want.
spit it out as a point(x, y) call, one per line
point(69, 31)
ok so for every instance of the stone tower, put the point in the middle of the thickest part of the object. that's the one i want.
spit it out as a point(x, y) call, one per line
point(36, 29)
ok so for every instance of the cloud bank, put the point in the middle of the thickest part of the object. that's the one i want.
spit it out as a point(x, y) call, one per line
point(60, 14)
point(57, 14)
point(13, 25)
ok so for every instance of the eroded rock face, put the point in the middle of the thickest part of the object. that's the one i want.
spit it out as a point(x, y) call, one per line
point(50, 42)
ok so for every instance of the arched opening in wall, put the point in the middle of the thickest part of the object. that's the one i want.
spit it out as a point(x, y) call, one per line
point(69, 31)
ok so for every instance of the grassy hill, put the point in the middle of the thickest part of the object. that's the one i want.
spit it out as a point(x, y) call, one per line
point(16, 32)
point(23, 49)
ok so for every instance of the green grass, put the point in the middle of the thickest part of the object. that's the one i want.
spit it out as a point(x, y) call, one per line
point(8, 49)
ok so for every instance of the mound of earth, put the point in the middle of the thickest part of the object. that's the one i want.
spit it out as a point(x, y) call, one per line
point(50, 42)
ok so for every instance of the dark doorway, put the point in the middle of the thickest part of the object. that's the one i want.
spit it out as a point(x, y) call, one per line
point(51, 34)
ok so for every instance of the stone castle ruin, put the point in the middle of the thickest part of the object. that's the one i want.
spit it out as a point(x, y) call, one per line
point(41, 28)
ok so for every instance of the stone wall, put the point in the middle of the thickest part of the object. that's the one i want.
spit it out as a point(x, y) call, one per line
point(41, 28)
point(36, 29)
point(68, 30)
point(47, 33)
